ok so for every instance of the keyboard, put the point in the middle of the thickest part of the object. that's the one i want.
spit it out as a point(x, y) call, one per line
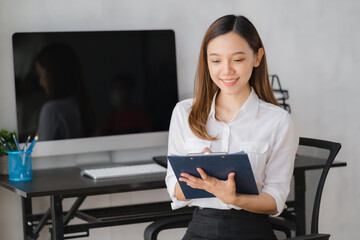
point(123, 171)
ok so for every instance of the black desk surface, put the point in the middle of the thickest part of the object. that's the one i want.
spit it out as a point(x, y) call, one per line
point(68, 182)
point(303, 163)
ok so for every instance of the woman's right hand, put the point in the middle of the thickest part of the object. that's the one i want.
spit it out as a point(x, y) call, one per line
point(206, 150)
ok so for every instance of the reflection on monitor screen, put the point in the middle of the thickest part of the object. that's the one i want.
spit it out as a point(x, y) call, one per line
point(84, 85)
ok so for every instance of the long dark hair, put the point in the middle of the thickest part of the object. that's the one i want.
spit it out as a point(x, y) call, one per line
point(205, 88)
point(63, 70)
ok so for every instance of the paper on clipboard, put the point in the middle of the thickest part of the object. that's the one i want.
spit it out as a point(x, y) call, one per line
point(218, 166)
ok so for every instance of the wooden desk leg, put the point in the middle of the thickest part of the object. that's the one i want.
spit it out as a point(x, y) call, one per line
point(26, 211)
point(300, 188)
point(57, 218)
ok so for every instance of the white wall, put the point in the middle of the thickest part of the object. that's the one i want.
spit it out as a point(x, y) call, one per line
point(311, 45)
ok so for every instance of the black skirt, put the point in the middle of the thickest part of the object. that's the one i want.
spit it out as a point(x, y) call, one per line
point(230, 224)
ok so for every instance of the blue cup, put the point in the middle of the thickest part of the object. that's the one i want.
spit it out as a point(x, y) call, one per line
point(20, 166)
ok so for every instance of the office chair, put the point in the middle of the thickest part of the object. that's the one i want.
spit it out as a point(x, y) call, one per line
point(313, 154)
point(313, 161)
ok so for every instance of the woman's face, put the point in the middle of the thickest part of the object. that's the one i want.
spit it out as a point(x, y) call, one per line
point(231, 61)
point(43, 81)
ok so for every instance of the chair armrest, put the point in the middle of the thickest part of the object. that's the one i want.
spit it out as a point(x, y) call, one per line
point(153, 229)
point(318, 236)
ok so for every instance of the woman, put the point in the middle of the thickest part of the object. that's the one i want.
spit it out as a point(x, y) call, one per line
point(234, 110)
point(67, 113)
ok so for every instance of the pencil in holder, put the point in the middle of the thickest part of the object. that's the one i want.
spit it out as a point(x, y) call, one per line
point(20, 165)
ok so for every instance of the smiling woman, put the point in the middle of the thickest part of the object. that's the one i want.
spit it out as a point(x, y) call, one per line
point(234, 110)
point(242, 42)
point(231, 62)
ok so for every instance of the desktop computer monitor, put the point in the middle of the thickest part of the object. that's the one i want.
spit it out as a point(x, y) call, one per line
point(94, 91)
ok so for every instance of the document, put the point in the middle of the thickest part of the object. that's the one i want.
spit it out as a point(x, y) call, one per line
point(218, 166)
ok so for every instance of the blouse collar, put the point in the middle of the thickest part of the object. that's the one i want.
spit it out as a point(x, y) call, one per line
point(250, 107)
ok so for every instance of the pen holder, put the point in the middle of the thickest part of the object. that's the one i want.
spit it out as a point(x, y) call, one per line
point(20, 166)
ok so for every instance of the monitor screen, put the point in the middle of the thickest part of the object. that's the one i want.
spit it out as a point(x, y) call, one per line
point(73, 85)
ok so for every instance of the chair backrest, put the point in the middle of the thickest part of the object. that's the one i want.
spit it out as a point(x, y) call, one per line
point(321, 155)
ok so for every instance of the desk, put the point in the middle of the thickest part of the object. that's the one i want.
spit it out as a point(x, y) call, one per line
point(67, 182)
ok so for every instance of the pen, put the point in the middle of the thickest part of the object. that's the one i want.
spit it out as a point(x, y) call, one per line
point(33, 143)
point(16, 142)
point(6, 148)
point(5, 144)
point(26, 142)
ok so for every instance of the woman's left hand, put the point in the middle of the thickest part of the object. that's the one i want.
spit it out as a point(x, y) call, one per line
point(224, 190)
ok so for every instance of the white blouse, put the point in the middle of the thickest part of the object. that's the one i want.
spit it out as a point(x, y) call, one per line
point(262, 130)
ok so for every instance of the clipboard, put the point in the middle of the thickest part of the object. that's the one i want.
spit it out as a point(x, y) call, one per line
point(218, 166)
